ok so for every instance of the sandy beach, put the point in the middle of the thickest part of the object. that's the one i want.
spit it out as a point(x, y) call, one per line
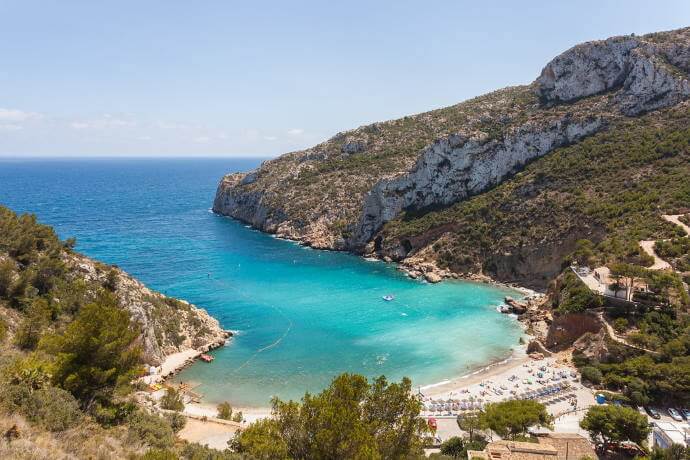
point(551, 381)
point(455, 384)
point(172, 364)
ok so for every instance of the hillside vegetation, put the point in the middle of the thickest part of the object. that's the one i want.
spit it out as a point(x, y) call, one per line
point(70, 348)
point(610, 188)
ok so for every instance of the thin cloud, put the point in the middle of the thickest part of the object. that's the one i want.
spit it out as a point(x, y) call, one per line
point(295, 131)
point(14, 115)
point(107, 121)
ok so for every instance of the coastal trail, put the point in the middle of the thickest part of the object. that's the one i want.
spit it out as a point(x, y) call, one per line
point(675, 219)
point(659, 263)
point(648, 245)
point(616, 338)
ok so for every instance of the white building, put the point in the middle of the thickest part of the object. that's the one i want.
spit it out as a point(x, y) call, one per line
point(667, 433)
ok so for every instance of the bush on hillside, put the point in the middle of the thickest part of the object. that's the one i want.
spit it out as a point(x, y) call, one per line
point(621, 325)
point(172, 400)
point(150, 429)
point(591, 374)
point(53, 408)
point(96, 352)
point(176, 420)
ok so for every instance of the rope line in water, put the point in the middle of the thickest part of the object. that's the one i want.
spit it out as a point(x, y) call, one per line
point(269, 346)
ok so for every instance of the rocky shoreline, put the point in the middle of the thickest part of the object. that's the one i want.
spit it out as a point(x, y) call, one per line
point(167, 326)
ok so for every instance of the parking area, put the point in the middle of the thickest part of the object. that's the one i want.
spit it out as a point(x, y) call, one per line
point(664, 418)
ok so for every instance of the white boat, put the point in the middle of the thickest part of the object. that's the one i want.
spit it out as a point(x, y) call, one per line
point(388, 297)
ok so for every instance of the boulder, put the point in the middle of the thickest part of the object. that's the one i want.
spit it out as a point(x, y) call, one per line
point(432, 277)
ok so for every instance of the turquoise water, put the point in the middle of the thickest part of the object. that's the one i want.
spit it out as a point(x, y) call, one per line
point(301, 316)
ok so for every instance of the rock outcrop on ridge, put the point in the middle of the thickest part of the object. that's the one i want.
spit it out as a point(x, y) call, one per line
point(167, 325)
point(341, 193)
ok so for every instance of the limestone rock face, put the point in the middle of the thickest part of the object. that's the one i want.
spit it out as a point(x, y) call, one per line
point(586, 69)
point(652, 74)
point(453, 168)
point(593, 346)
point(233, 201)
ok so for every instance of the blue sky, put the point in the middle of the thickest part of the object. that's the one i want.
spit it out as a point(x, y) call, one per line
point(171, 78)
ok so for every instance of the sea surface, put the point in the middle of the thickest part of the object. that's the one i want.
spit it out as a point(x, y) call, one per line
point(302, 316)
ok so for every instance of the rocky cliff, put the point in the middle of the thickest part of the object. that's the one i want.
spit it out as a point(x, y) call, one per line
point(167, 325)
point(341, 194)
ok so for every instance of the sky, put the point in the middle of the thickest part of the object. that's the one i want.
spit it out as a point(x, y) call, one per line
point(261, 78)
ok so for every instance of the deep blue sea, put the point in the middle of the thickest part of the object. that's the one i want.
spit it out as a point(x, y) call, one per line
point(302, 315)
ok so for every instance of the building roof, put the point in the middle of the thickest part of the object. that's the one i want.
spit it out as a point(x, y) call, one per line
point(513, 450)
point(674, 433)
point(556, 446)
point(570, 446)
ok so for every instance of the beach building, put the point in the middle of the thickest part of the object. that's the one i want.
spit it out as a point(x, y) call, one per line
point(667, 433)
point(550, 446)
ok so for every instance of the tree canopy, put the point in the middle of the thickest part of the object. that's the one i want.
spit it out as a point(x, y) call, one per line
point(350, 419)
point(96, 352)
point(611, 423)
point(471, 423)
point(510, 419)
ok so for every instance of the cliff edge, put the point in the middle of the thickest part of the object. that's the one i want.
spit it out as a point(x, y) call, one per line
point(342, 193)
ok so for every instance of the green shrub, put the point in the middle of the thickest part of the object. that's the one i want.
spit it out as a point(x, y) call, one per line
point(377, 419)
point(513, 418)
point(611, 423)
point(150, 429)
point(38, 315)
point(194, 451)
point(592, 374)
point(172, 400)
point(96, 352)
point(14, 398)
point(224, 411)
point(620, 325)
point(453, 447)
point(111, 413)
point(177, 421)
point(53, 408)
point(3, 330)
point(160, 454)
point(6, 276)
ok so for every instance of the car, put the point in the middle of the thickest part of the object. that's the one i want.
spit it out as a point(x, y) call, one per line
point(675, 415)
point(652, 412)
point(685, 412)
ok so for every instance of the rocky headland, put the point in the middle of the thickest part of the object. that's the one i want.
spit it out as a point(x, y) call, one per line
point(365, 190)
point(168, 326)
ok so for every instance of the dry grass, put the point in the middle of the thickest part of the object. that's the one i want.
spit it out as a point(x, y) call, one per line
point(87, 441)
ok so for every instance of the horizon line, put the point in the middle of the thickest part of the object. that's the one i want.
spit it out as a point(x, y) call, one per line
point(130, 157)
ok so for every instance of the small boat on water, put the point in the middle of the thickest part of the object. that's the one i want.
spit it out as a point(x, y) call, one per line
point(388, 297)
point(206, 358)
